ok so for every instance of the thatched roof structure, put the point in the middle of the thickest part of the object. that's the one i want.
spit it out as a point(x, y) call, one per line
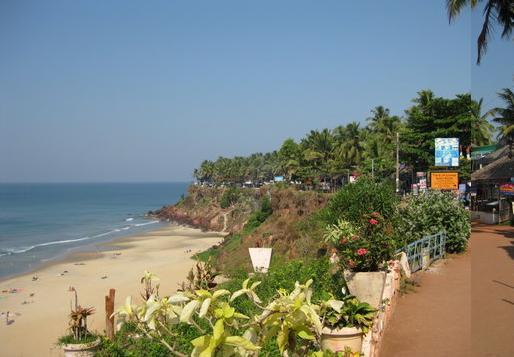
point(501, 167)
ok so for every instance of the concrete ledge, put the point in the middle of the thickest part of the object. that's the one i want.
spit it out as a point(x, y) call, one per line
point(371, 342)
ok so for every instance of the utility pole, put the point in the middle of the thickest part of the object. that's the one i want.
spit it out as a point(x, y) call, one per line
point(397, 162)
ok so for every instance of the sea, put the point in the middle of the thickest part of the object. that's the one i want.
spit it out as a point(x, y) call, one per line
point(44, 222)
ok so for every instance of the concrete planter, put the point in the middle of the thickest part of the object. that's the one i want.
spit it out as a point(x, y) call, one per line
point(261, 258)
point(366, 286)
point(336, 340)
point(81, 349)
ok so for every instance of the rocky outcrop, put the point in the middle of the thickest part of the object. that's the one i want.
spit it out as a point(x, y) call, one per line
point(201, 208)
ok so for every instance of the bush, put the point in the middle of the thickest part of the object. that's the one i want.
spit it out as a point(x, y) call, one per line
point(258, 217)
point(355, 201)
point(229, 197)
point(431, 213)
point(284, 275)
point(364, 248)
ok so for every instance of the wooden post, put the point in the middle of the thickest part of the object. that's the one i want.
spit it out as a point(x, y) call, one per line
point(109, 310)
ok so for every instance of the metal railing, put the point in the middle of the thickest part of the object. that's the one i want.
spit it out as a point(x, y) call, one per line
point(424, 251)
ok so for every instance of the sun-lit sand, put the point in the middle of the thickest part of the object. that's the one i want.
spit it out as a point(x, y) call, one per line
point(39, 309)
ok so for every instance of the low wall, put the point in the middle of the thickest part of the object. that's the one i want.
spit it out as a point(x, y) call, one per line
point(372, 341)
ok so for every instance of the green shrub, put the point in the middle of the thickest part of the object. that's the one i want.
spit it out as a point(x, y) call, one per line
point(355, 201)
point(363, 248)
point(229, 197)
point(258, 217)
point(431, 213)
point(284, 275)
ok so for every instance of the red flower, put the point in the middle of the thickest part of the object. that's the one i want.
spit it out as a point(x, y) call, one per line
point(355, 237)
point(351, 263)
point(343, 241)
point(373, 221)
point(362, 251)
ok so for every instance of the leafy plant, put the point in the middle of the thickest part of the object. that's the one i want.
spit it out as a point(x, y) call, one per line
point(229, 197)
point(149, 289)
point(289, 319)
point(78, 323)
point(363, 248)
point(355, 201)
point(349, 312)
point(430, 213)
point(201, 276)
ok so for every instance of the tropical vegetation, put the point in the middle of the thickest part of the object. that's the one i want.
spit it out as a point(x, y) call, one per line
point(275, 316)
point(496, 12)
point(330, 156)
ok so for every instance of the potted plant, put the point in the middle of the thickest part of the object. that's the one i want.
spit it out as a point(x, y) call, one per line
point(363, 248)
point(80, 342)
point(345, 323)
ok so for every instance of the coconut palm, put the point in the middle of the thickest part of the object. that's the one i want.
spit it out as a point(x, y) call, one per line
point(505, 116)
point(500, 12)
point(350, 148)
point(481, 128)
point(378, 115)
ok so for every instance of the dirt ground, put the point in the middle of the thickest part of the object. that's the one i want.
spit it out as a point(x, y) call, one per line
point(464, 305)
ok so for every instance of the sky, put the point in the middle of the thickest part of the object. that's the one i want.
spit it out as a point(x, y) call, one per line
point(145, 91)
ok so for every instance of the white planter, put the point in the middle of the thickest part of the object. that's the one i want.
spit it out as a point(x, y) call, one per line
point(366, 286)
point(261, 258)
point(336, 340)
point(81, 349)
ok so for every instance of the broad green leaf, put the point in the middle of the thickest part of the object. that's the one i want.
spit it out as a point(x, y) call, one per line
point(238, 315)
point(254, 285)
point(203, 293)
point(304, 334)
point(178, 298)
point(245, 283)
point(220, 293)
point(282, 339)
point(255, 297)
point(188, 311)
point(205, 307)
point(238, 341)
point(237, 294)
point(228, 311)
point(218, 330)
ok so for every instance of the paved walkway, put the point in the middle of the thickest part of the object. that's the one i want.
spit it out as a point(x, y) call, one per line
point(464, 306)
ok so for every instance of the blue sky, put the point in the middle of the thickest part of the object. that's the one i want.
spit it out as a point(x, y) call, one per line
point(144, 91)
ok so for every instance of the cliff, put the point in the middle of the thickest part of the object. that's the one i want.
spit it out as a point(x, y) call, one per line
point(289, 229)
point(202, 208)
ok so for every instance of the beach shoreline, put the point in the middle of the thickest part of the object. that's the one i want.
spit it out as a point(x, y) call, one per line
point(39, 302)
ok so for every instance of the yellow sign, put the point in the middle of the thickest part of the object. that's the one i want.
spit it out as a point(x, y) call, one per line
point(444, 180)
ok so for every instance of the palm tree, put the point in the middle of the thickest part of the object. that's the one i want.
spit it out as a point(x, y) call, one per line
point(505, 116)
point(481, 128)
point(495, 11)
point(379, 114)
point(350, 149)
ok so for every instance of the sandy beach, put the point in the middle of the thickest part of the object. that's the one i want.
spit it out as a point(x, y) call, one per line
point(38, 309)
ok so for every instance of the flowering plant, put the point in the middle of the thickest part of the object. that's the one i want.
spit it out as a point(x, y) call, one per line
point(364, 247)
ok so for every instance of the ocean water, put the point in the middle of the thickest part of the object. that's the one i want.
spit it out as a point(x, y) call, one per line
point(42, 222)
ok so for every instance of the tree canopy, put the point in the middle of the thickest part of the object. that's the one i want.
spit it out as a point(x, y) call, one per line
point(329, 155)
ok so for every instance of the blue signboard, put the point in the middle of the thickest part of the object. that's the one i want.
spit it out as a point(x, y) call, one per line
point(447, 152)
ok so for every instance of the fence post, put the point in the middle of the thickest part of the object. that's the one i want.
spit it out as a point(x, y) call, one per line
point(109, 310)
